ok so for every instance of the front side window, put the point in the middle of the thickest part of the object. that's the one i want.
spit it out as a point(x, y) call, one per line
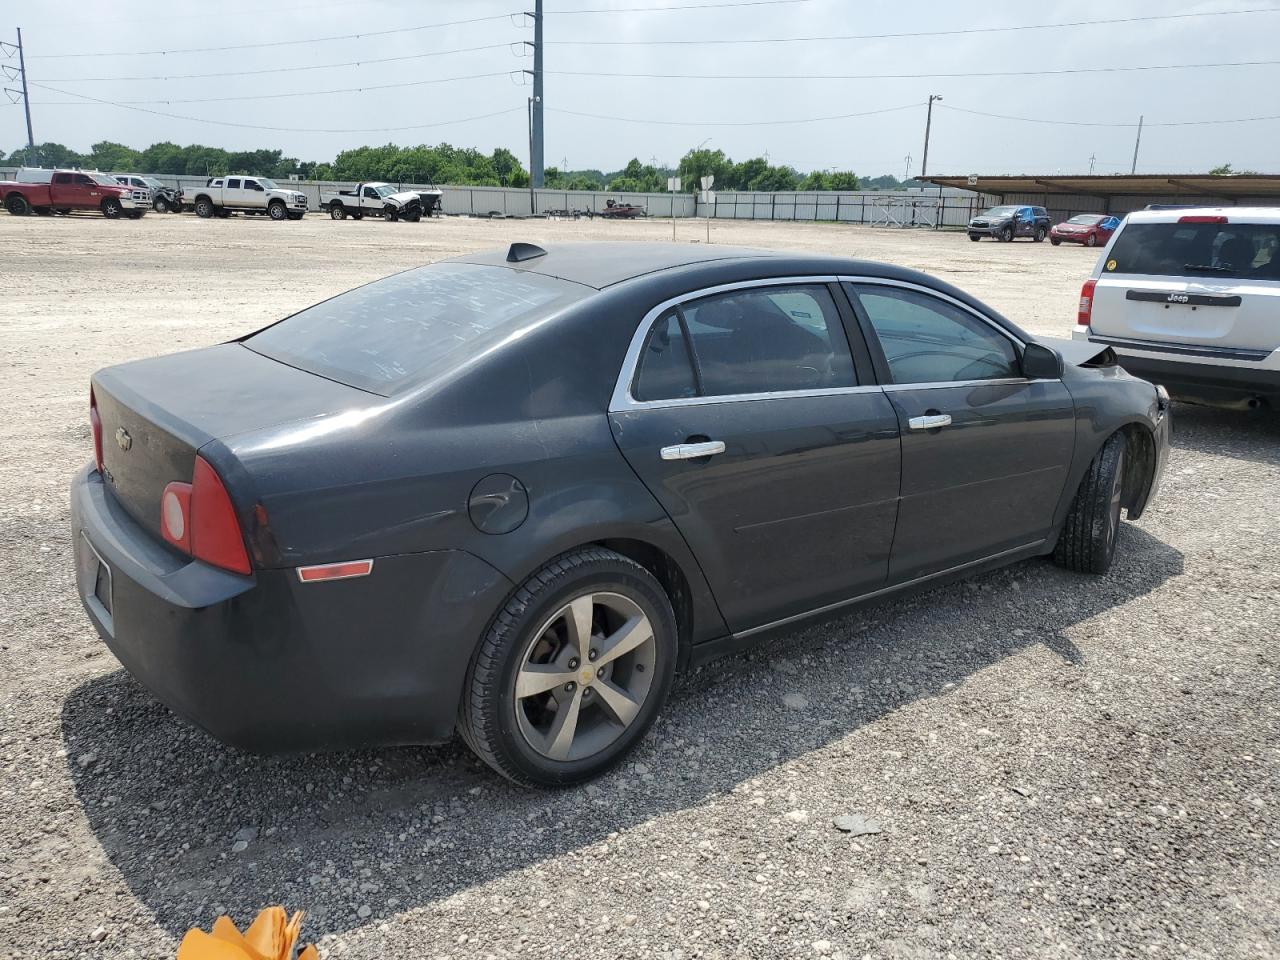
point(927, 340)
point(370, 193)
point(83, 180)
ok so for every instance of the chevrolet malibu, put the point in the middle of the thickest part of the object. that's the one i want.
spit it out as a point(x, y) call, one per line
point(513, 494)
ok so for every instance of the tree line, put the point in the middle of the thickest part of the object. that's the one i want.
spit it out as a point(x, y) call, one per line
point(442, 163)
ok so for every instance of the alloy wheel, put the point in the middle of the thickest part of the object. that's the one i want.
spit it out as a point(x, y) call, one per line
point(585, 676)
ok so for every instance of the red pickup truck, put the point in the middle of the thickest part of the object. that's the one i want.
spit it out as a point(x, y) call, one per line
point(69, 190)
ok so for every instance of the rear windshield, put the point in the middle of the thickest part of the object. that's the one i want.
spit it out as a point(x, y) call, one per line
point(409, 328)
point(1201, 250)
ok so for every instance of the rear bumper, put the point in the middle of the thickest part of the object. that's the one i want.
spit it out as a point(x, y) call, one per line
point(1232, 384)
point(267, 663)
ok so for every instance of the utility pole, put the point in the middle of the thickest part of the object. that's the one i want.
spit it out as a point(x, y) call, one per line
point(1137, 143)
point(32, 158)
point(533, 202)
point(535, 151)
point(1093, 158)
point(928, 123)
point(906, 174)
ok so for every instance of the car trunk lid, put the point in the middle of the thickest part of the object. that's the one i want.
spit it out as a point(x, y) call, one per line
point(157, 413)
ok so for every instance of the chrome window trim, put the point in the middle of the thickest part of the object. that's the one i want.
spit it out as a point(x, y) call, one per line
point(622, 398)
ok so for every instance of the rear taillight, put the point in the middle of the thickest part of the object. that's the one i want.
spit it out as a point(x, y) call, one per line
point(198, 518)
point(1203, 218)
point(95, 424)
point(1085, 313)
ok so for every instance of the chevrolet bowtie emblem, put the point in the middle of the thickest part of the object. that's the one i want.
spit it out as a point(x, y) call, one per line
point(123, 439)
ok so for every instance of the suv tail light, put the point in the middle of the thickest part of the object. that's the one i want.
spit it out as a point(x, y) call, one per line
point(1203, 218)
point(95, 424)
point(1085, 313)
point(199, 519)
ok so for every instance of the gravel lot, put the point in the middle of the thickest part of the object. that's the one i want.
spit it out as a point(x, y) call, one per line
point(1059, 766)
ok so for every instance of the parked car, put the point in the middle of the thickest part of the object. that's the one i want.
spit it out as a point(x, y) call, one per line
point(1009, 222)
point(514, 492)
point(375, 199)
point(163, 199)
point(222, 196)
point(68, 190)
point(1090, 229)
point(1191, 298)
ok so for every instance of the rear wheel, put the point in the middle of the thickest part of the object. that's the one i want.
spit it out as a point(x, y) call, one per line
point(276, 210)
point(204, 208)
point(1039, 235)
point(111, 208)
point(17, 205)
point(572, 671)
point(1087, 543)
point(1091, 240)
point(337, 211)
point(1055, 241)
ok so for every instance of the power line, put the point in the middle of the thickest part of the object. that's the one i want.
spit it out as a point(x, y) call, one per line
point(280, 129)
point(910, 76)
point(682, 6)
point(917, 34)
point(250, 73)
point(1094, 123)
point(286, 43)
point(733, 123)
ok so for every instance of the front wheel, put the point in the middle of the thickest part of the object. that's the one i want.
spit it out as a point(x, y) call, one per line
point(276, 210)
point(1006, 235)
point(973, 236)
point(1087, 543)
point(1091, 240)
point(17, 205)
point(390, 214)
point(572, 671)
point(111, 208)
point(1039, 235)
point(1055, 241)
point(160, 205)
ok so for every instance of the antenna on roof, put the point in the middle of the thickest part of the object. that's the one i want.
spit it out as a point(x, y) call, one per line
point(520, 252)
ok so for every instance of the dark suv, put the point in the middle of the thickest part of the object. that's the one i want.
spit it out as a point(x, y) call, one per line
point(1005, 223)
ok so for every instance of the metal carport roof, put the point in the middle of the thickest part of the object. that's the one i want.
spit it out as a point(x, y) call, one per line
point(1193, 185)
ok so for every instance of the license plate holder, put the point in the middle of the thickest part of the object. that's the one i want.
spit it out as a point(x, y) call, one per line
point(98, 589)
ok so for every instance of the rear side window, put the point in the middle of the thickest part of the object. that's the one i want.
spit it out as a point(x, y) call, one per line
point(665, 369)
point(404, 330)
point(1200, 250)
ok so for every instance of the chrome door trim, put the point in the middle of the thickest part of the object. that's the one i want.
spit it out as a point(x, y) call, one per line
point(929, 291)
point(892, 588)
point(622, 398)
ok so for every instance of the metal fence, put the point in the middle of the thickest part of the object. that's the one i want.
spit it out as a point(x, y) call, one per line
point(913, 208)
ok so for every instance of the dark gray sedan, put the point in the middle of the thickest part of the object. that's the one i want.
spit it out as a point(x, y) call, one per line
point(513, 493)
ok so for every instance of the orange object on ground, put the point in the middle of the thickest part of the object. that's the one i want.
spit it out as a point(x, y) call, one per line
point(271, 936)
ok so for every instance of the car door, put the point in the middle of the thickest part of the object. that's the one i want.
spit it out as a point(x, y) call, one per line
point(745, 413)
point(255, 194)
point(985, 450)
point(369, 199)
point(233, 193)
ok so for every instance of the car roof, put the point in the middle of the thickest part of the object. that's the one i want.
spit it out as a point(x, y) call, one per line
point(604, 264)
point(1233, 214)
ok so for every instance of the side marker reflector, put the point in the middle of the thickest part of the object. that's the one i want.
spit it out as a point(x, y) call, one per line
point(335, 571)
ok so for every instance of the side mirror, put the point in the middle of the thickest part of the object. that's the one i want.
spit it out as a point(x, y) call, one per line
point(1041, 363)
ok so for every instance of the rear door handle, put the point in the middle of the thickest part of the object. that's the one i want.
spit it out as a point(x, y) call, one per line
point(692, 451)
point(932, 422)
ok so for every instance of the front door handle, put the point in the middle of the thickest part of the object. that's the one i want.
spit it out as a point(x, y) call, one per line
point(930, 422)
point(692, 451)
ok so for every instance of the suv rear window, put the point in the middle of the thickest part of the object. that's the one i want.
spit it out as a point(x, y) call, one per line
point(1202, 250)
point(394, 333)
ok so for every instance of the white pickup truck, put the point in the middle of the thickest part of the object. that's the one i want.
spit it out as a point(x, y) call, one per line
point(375, 199)
point(221, 196)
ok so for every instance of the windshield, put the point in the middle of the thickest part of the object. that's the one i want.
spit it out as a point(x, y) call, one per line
point(385, 190)
point(1086, 219)
point(1201, 250)
point(269, 184)
point(1001, 212)
point(152, 182)
point(414, 326)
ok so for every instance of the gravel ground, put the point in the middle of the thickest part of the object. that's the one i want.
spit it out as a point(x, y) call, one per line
point(1058, 766)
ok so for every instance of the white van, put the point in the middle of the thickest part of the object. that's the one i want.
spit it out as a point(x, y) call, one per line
point(1191, 299)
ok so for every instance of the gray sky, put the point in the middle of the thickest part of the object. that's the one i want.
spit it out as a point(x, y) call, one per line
point(870, 145)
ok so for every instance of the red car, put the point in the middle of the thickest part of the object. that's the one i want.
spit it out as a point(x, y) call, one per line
point(1091, 229)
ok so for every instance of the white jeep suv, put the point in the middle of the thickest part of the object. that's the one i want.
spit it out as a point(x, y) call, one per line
point(1190, 299)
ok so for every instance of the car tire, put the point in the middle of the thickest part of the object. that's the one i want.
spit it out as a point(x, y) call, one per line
point(204, 208)
point(1039, 235)
point(535, 629)
point(337, 211)
point(973, 236)
point(1006, 235)
point(17, 205)
point(112, 208)
point(1087, 543)
point(390, 214)
point(1055, 241)
point(160, 205)
point(413, 216)
point(357, 214)
point(276, 210)
point(1091, 240)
